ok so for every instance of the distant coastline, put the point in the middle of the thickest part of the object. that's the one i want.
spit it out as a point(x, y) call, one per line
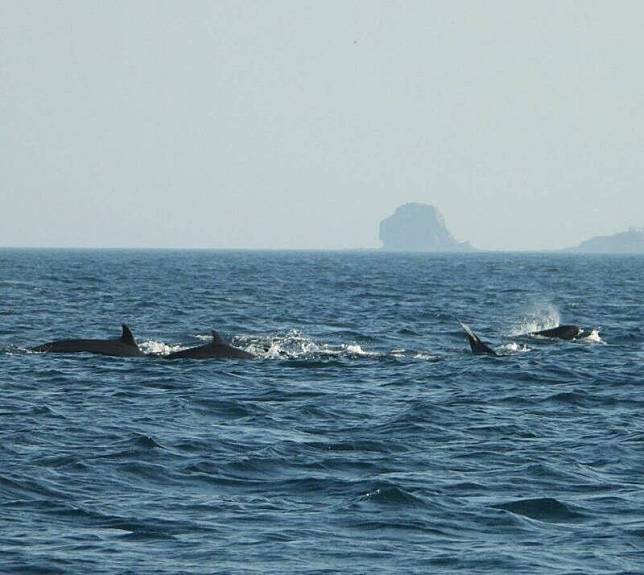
point(629, 242)
point(417, 227)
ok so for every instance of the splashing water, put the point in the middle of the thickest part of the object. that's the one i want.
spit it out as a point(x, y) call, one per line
point(295, 345)
point(540, 318)
point(159, 348)
point(205, 338)
point(593, 337)
point(513, 347)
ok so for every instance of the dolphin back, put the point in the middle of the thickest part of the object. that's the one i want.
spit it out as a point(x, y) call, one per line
point(218, 347)
point(560, 332)
point(125, 346)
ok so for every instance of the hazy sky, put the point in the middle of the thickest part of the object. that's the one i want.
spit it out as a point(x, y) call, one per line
point(300, 124)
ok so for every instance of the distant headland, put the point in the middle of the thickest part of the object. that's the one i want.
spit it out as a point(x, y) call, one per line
point(418, 227)
point(630, 242)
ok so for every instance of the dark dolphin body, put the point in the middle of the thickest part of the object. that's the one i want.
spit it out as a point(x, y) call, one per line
point(561, 332)
point(478, 347)
point(124, 346)
point(218, 347)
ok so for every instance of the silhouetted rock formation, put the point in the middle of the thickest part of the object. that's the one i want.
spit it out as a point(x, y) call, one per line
point(419, 228)
point(630, 242)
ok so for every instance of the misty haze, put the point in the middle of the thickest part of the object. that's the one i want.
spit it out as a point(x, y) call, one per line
point(303, 125)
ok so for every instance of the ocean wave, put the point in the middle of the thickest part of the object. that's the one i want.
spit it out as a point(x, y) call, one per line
point(544, 509)
point(392, 496)
point(366, 429)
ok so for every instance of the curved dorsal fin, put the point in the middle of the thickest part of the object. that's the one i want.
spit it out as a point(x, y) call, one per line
point(477, 346)
point(469, 331)
point(217, 339)
point(126, 336)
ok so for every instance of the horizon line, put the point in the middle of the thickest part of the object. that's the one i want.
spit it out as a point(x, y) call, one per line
point(567, 250)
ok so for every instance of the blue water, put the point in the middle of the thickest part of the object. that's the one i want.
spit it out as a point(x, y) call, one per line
point(365, 439)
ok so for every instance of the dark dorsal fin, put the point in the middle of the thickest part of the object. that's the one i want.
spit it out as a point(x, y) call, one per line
point(127, 337)
point(217, 339)
point(477, 346)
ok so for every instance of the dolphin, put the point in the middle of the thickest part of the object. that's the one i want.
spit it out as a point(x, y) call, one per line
point(124, 346)
point(218, 347)
point(478, 347)
point(567, 332)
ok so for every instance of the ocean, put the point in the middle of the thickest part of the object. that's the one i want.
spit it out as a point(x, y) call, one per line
point(365, 438)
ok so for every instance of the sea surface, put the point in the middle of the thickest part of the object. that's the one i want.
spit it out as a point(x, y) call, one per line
point(365, 438)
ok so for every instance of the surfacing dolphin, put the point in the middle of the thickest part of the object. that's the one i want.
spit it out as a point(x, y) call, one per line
point(478, 347)
point(218, 347)
point(124, 346)
point(566, 332)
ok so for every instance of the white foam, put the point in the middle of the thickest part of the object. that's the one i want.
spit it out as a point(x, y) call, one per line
point(357, 350)
point(295, 345)
point(425, 356)
point(593, 337)
point(514, 347)
point(159, 348)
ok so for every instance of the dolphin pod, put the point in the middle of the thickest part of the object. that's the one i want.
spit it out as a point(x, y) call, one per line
point(126, 346)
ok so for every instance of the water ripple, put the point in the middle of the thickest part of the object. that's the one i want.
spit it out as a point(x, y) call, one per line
point(366, 438)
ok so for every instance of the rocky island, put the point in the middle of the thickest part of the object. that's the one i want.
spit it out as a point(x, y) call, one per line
point(418, 227)
point(630, 242)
